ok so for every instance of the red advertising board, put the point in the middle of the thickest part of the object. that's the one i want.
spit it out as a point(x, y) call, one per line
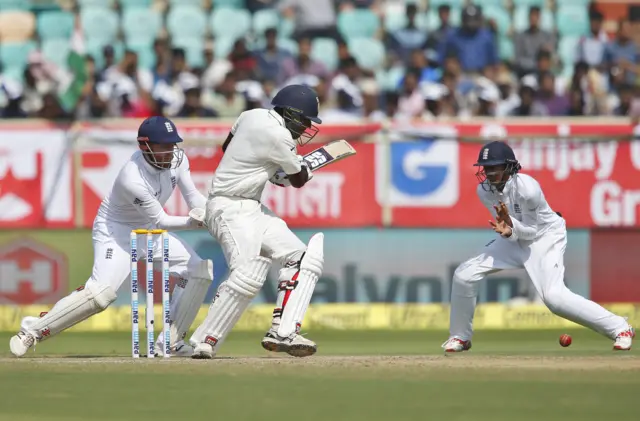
point(614, 266)
point(591, 184)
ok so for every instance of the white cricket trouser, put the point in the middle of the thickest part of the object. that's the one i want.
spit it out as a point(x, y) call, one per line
point(543, 259)
point(112, 254)
point(244, 229)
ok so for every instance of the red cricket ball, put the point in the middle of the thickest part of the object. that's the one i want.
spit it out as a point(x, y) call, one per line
point(565, 340)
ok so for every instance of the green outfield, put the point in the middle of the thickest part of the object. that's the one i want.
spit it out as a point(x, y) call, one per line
point(509, 375)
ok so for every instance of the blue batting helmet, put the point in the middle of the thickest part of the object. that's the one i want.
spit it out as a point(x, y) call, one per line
point(299, 99)
point(496, 154)
point(158, 130)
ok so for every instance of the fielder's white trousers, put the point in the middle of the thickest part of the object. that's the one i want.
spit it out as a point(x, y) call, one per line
point(543, 259)
point(245, 228)
point(112, 254)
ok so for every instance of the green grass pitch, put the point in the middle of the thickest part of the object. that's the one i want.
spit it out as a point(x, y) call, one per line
point(508, 375)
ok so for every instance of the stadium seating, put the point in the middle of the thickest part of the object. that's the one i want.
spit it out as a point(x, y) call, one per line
point(193, 50)
point(521, 19)
point(325, 50)
point(453, 3)
point(15, 4)
point(228, 22)
point(572, 20)
point(529, 3)
point(146, 55)
point(500, 15)
point(265, 19)
point(99, 23)
point(432, 21)
point(13, 56)
point(567, 49)
point(95, 46)
point(16, 25)
point(506, 48)
point(186, 21)
point(234, 4)
point(368, 52)
point(133, 4)
point(55, 25)
point(56, 50)
point(358, 23)
point(141, 25)
point(390, 80)
point(223, 46)
point(95, 3)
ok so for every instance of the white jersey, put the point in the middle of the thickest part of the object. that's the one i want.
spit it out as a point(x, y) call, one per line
point(261, 145)
point(531, 214)
point(140, 192)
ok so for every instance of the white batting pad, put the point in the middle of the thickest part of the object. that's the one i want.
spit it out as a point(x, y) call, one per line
point(188, 296)
point(302, 287)
point(234, 296)
point(74, 308)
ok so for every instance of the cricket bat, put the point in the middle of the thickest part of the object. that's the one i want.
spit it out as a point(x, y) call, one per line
point(328, 154)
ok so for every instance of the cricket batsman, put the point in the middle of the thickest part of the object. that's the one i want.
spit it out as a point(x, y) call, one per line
point(531, 236)
point(261, 147)
point(136, 200)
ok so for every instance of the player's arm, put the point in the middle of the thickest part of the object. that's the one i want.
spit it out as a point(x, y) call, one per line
point(528, 227)
point(297, 172)
point(191, 194)
point(142, 199)
point(226, 142)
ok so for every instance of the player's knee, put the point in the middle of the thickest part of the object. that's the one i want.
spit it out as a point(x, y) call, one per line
point(554, 301)
point(463, 275)
point(201, 269)
point(102, 295)
point(248, 278)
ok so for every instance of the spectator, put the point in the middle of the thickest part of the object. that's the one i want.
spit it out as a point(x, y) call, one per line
point(623, 107)
point(343, 50)
point(556, 105)
point(108, 55)
point(403, 41)
point(544, 64)
point(242, 60)
point(343, 112)
point(51, 108)
point(270, 60)
point(576, 103)
point(314, 18)
point(509, 99)
point(530, 43)
point(255, 5)
point(192, 107)
point(411, 101)
point(391, 99)
point(370, 99)
point(162, 67)
point(622, 54)
point(439, 35)
point(528, 107)
point(303, 64)
point(473, 45)
point(488, 97)
point(169, 93)
point(591, 47)
point(226, 101)
point(427, 63)
point(434, 106)
point(215, 68)
point(347, 81)
point(454, 103)
point(126, 88)
point(89, 104)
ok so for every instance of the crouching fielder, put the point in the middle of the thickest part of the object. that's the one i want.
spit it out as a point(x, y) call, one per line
point(136, 200)
point(261, 144)
point(533, 237)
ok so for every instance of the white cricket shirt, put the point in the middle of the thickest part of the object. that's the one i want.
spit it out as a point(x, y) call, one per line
point(140, 191)
point(531, 214)
point(261, 145)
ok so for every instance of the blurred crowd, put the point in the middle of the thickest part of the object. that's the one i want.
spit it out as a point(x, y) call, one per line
point(450, 71)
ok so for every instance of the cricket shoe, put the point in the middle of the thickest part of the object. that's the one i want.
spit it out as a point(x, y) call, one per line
point(203, 351)
point(294, 345)
point(179, 350)
point(25, 339)
point(624, 339)
point(456, 345)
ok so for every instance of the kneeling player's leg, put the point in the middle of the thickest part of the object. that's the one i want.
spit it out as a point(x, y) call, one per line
point(497, 255)
point(232, 299)
point(545, 267)
point(110, 269)
point(195, 277)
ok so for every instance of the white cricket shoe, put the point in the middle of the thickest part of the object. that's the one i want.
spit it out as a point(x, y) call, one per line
point(25, 339)
point(456, 345)
point(179, 350)
point(203, 351)
point(294, 345)
point(624, 339)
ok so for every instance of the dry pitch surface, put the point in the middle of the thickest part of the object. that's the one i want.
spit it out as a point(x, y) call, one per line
point(356, 376)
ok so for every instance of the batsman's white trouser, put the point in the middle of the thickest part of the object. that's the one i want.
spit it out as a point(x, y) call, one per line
point(111, 267)
point(543, 259)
